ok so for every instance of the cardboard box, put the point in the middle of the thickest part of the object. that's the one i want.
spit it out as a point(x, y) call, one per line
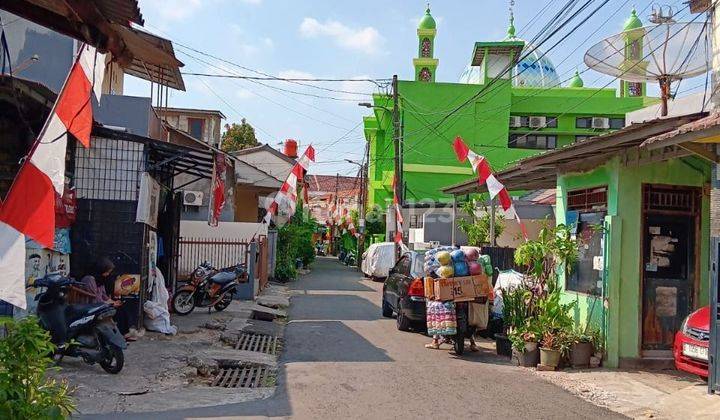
point(429, 285)
point(462, 289)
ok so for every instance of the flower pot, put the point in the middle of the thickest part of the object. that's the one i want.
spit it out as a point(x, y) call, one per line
point(580, 354)
point(549, 357)
point(503, 345)
point(526, 358)
point(531, 346)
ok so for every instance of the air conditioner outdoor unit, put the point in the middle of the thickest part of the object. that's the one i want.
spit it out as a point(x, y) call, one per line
point(515, 122)
point(601, 123)
point(192, 198)
point(537, 122)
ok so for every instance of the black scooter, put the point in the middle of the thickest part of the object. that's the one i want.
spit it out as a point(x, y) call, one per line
point(86, 331)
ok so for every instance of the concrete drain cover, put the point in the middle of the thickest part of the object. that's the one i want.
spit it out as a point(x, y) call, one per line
point(261, 343)
point(245, 375)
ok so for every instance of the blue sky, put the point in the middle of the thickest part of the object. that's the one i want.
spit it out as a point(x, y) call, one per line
point(340, 39)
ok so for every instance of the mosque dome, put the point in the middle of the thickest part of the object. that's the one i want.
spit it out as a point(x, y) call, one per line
point(633, 22)
point(427, 21)
point(535, 70)
point(576, 81)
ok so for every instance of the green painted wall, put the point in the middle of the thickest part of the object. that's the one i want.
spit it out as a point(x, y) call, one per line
point(622, 319)
point(483, 124)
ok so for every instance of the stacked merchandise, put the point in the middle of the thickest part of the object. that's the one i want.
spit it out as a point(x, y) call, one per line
point(444, 263)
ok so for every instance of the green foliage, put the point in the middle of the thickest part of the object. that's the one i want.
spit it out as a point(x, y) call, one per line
point(477, 228)
point(374, 222)
point(294, 241)
point(555, 321)
point(25, 391)
point(554, 249)
point(238, 137)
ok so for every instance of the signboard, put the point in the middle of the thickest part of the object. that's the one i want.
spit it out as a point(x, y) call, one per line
point(458, 289)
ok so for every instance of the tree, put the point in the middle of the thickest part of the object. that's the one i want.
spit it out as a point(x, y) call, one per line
point(477, 228)
point(238, 136)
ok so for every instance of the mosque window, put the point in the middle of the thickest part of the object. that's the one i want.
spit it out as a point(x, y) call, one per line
point(425, 48)
point(425, 74)
point(532, 141)
point(635, 89)
point(617, 123)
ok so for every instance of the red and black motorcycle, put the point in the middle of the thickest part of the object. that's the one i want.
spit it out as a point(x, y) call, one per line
point(208, 287)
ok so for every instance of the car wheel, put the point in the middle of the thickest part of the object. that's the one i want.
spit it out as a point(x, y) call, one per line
point(387, 310)
point(403, 324)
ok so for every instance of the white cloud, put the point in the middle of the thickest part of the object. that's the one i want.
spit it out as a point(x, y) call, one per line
point(252, 1)
point(175, 10)
point(367, 40)
point(243, 93)
point(295, 74)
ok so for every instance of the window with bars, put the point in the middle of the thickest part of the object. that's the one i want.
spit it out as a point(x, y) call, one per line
point(672, 199)
point(109, 170)
point(416, 221)
point(589, 199)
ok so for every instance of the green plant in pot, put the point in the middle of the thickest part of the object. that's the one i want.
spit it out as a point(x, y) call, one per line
point(518, 307)
point(554, 346)
point(582, 348)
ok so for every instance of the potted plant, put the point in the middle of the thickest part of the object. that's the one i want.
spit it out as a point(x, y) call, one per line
point(515, 315)
point(554, 345)
point(581, 349)
point(525, 347)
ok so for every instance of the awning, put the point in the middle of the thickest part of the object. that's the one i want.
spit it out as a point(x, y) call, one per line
point(541, 171)
point(694, 137)
point(106, 24)
point(169, 158)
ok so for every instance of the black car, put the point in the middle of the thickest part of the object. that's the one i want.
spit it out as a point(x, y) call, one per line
point(404, 292)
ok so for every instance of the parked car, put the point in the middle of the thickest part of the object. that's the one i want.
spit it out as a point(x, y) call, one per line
point(404, 292)
point(378, 260)
point(692, 343)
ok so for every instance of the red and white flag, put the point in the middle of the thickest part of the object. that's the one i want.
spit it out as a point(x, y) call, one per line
point(29, 208)
point(486, 177)
point(287, 196)
point(217, 191)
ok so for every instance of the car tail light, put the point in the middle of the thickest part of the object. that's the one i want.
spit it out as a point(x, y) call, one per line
point(416, 288)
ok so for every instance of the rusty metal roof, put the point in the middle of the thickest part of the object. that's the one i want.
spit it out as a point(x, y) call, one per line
point(685, 132)
point(541, 171)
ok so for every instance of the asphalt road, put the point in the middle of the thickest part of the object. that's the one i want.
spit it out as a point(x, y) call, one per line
point(343, 360)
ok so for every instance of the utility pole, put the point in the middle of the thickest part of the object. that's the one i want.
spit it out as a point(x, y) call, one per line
point(337, 211)
point(714, 345)
point(396, 141)
point(362, 205)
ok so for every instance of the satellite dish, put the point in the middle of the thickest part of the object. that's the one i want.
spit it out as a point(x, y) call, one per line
point(666, 52)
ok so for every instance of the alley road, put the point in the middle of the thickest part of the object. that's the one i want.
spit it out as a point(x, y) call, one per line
point(343, 360)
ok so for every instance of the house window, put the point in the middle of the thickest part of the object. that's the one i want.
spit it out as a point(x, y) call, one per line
point(589, 199)
point(617, 123)
point(587, 274)
point(416, 221)
point(583, 122)
point(196, 127)
point(532, 141)
point(551, 122)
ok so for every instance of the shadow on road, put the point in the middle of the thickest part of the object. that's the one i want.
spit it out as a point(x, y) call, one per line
point(329, 341)
point(327, 307)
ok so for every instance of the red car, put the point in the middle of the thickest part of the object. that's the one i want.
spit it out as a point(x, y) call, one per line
point(692, 343)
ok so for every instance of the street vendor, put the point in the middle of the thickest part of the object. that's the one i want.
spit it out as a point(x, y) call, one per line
point(441, 315)
point(97, 284)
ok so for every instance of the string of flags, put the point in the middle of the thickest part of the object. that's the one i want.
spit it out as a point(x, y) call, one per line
point(288, 192)
point(486, 177)
point(29, 208)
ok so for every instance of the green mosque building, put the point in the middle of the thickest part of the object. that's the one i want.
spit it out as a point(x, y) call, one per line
point(503, 115)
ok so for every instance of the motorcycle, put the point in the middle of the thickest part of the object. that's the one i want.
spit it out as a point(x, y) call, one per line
point(208, 287)
point(87, 331)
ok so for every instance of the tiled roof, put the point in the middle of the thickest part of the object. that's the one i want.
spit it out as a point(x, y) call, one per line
point(326, 183)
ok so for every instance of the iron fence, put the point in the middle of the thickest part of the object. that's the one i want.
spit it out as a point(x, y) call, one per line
point(219, 252)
